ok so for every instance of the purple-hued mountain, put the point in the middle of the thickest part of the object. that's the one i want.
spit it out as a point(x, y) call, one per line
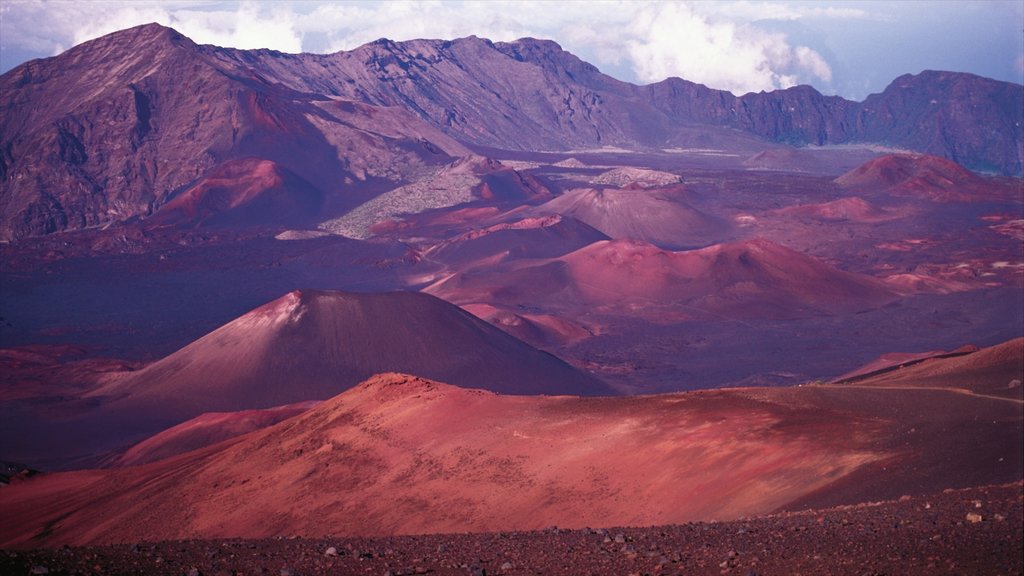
point(117, 127)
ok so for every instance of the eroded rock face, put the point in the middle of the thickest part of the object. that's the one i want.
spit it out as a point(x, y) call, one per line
point(114, 128)
point(971, 120)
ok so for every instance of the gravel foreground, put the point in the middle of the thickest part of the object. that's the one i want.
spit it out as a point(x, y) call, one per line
point(971, 531)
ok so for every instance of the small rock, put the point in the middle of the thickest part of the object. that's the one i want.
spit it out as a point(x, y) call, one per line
point(332, 552)
point(506, 566)
point(620, 538)
point(973, 518)
point(193, 571)
point(39, 570)
point(286, 571)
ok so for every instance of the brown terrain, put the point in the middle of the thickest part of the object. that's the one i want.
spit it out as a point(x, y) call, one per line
point(419, 302)
point(403, 455)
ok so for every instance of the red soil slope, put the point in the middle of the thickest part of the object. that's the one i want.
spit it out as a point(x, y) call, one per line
point(247, 191)
point(311, 345)
point(531, 237)
point(204, 430)
point(754, 278)
point(995, 371)
point(915, 175)
point(658, 216)
point(400, 454)
point(851, 209)
point(537, 329)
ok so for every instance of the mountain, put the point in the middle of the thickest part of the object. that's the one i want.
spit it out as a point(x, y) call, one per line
point(530, 237)
point(400, 454)
point(659, 216)
point(751, 278)
point(917, 175)
point(117, 127)
point(311, 345)
point(965, 118)
point(971, 120)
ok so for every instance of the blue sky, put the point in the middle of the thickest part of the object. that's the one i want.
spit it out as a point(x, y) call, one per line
point(849, 48)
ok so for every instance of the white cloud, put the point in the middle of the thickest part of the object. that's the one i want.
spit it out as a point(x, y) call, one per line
point(251, 25)
point(812, 62)
point(748, 11)
point(50, 27)
point(671, 39)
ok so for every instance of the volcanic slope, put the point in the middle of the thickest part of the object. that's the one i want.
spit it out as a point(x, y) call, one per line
point(658, 216)
point(995, 371)
point(245, 191)
point(531, 237)
point(311, 345)
point(203, 430)
point(753, 278)
point(400, 454)
point(468, 179)
point(916, 175)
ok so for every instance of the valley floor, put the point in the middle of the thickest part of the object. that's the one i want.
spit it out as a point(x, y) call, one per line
point(971, 531)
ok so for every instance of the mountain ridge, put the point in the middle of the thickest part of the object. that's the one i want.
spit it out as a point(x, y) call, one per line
point(114, 128)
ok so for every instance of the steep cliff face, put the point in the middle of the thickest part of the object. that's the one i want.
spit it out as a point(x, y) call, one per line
point(531, 94)
point(116, 127)
point(84, 137)
point(528, 94)
point(971, 120)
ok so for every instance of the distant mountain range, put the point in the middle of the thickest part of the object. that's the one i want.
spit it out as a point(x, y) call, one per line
point(117, 127)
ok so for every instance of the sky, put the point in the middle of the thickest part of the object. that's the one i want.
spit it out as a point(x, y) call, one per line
point(850, 48)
